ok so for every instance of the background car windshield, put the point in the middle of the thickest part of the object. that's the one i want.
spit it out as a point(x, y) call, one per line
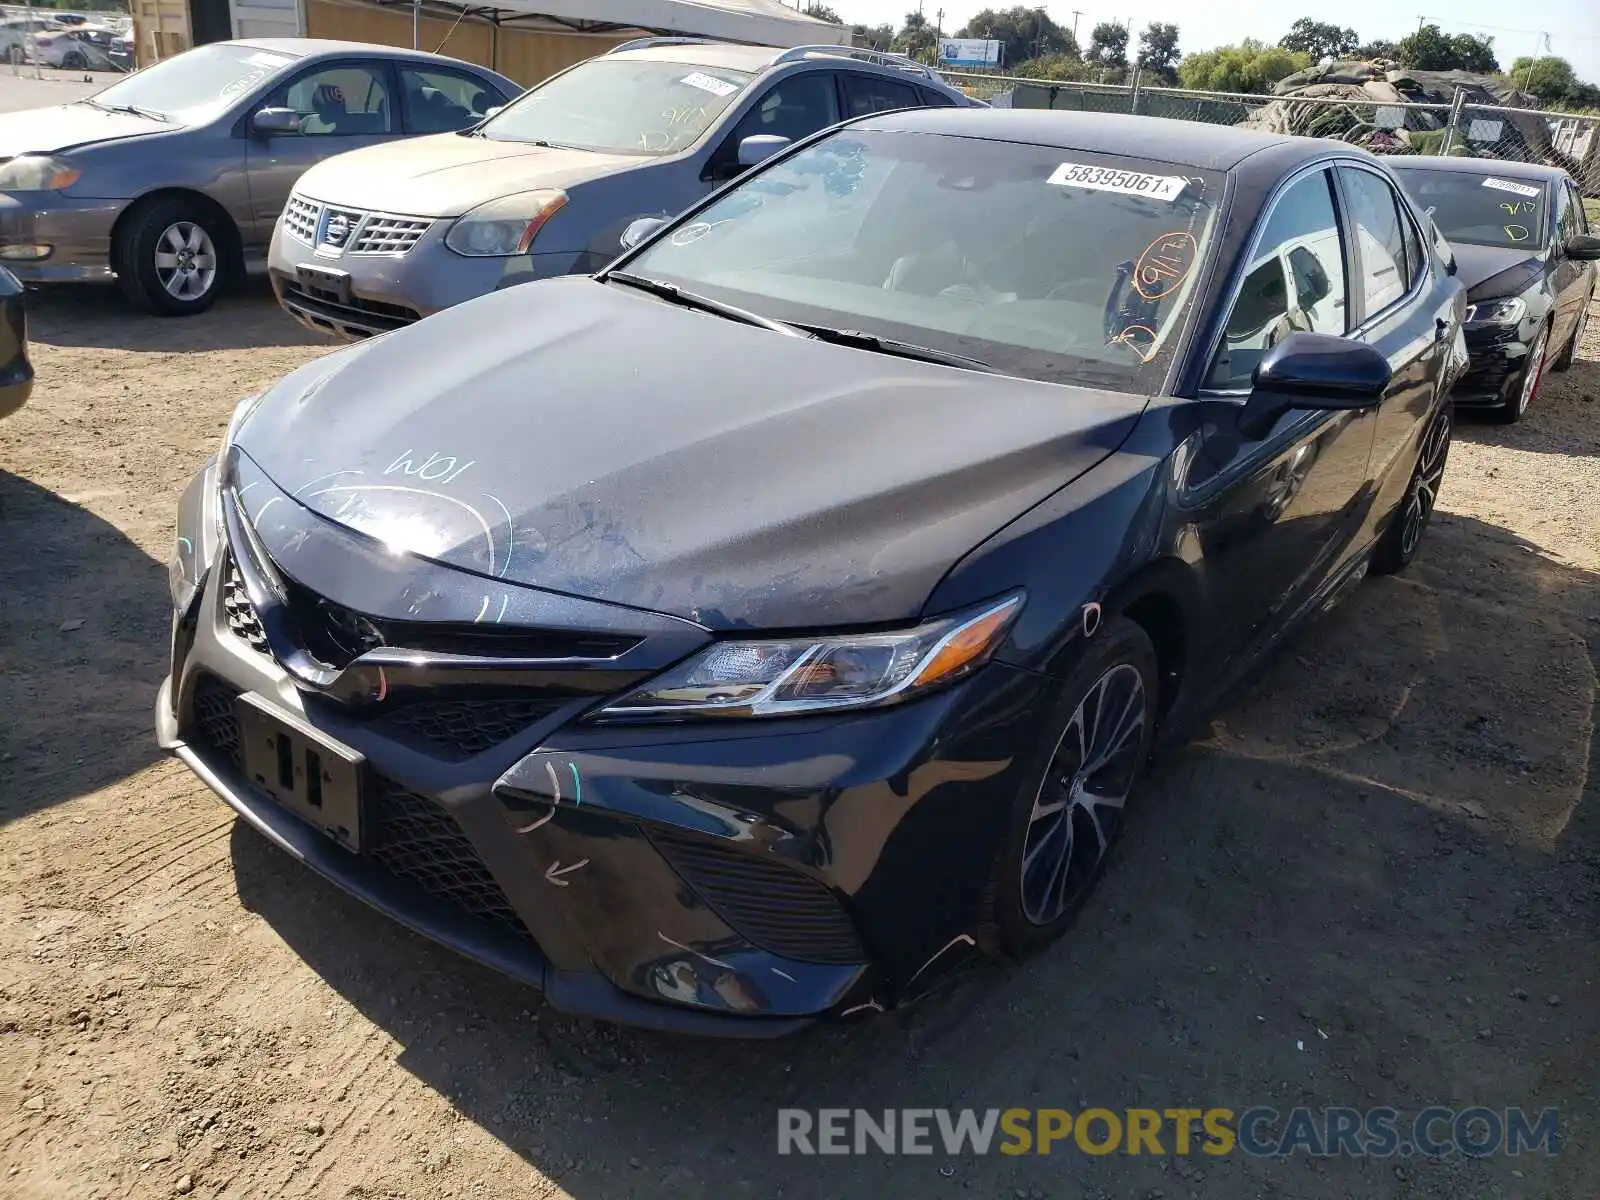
point(1060, 265)
point(621, 106)
point(1483, 210)
point(198, 84)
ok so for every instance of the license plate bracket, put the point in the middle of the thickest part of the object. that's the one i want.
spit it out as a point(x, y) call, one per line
point(326, 282)
point(304, 770)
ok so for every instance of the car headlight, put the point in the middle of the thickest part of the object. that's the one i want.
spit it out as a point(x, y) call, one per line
point(505, 226)
point(199, 532)
point(37, 173)
point(1509, 311)
point(806, 675)
point(241, 412)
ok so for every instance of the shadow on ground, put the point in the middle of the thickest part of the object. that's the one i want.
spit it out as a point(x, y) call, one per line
point(1371, 883)
point(100, 317)
point(83, 640)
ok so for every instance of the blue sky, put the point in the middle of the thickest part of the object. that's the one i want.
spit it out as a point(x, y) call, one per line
point(1573, 25)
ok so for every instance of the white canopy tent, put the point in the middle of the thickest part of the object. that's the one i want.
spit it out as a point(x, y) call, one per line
point(759, 22)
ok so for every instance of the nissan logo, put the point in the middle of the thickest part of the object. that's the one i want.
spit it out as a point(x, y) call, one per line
point(336, 230)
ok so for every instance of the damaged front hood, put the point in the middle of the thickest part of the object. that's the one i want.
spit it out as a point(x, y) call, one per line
point(585, 438)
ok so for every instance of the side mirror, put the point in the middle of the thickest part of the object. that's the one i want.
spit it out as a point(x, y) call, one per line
point(759, 147)
point(494, 112)
point(1583, 247)
point(1315, 371)
point(273, 122)
point(640, 229)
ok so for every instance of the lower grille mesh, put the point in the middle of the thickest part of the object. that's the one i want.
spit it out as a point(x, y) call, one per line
point(414, 838)
point(765, 902)
point(457, 729)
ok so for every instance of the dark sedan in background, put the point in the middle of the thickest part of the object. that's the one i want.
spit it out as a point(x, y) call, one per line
point(748, 632)
point(1524, 251)
point(172, 179)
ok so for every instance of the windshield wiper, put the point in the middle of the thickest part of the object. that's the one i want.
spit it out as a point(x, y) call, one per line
point(882, 345)
point(674, 293)
point(135, 109)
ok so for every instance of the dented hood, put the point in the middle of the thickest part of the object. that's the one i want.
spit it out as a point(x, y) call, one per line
point(589, 439)
point(448, 173)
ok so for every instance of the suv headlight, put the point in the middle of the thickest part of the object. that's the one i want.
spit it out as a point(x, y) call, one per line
point(37, 173)
point(1509, 311)
point(807, 675)
point(505, 226)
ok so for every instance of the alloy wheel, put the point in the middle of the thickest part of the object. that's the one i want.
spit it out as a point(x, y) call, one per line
point(186, 260)
point(1530, 377)
point(1079, 805)
point(1425, 485)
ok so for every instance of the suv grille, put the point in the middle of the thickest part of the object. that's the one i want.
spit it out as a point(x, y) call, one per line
point(765, 902)
point(238, 610)
point(300, 220)
point(389, 235)
point(457, 729)
point(415, 838)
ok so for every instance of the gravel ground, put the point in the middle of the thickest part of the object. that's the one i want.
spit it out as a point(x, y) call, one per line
point(1375, 881)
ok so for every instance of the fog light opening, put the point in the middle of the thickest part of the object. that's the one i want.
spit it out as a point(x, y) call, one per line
point(26, 253)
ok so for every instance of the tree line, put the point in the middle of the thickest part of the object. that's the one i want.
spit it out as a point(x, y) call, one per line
point(1037, 47)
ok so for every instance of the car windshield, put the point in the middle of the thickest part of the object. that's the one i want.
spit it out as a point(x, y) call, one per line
point(621, 106)
point(1068, 266)
point(1478, 208)
point(196, 85)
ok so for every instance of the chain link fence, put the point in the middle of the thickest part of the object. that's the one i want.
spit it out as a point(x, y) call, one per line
point(1567, 140)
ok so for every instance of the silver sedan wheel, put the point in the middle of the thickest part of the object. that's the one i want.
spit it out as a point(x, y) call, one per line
point(1079, 805)
point(186, 260)
point(1530, 377)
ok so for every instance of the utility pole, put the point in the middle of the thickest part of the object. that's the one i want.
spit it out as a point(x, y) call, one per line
point(1420, 20)
point(1075, 15)
point(938, 25)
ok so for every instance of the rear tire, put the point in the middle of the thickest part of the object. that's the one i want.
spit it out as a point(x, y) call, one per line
point(1527, 386)
point(1401, 541)
point(1067, 815)
point(172, 257)
point(1563, 361)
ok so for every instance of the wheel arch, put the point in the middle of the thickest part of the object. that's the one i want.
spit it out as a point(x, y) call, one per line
point(227, 228)
point(1162, 598)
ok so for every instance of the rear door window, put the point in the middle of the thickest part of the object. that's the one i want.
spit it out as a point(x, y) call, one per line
point(439, 101)
point(865, 94)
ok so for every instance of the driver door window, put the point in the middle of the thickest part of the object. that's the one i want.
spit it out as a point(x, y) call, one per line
point(793, 108)
point(1296, 283)
point(341, 101)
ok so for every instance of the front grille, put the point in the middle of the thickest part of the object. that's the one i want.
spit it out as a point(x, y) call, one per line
point(765, 902)
point(240, 613)
point(358, 316)
point(216, 724)
point(419, 841)
point(300, 219)
point(389, 235)
point(413, 837)
point(455, 730)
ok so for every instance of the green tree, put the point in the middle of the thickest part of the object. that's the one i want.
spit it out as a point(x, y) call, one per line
point(1320, 39)
point(1376, 49)
point(916, 38)
point(1056, 67)
point(1026, 33)
point(1158, 49)
point(1108, 45)
point(823, 13)
point(877, 37)
point(1250, 66)
point(1549, 78)
point(1431, 49)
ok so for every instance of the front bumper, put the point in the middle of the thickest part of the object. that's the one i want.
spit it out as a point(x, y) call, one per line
point(1499, 355)
point(719, 879)
point(380, 292)
point(73, 234)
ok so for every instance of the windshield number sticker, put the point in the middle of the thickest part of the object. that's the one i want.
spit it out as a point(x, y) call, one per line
point(706, 83)
point(263, 59)
point(1505, 185)
point(1128, 183)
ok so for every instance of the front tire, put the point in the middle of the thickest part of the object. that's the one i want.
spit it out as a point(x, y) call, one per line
point(1068, 814)
point(170, 258)
point(1401, 541)
point(1563, 361)
point(74, 61)
point(1527, 389)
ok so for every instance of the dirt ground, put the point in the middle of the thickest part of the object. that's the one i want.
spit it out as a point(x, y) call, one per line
point(1376, 881)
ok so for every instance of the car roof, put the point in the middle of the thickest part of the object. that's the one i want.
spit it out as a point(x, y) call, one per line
point(315, 47)
point(732, 56)
point(1190, 143)
point(1505, 168)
